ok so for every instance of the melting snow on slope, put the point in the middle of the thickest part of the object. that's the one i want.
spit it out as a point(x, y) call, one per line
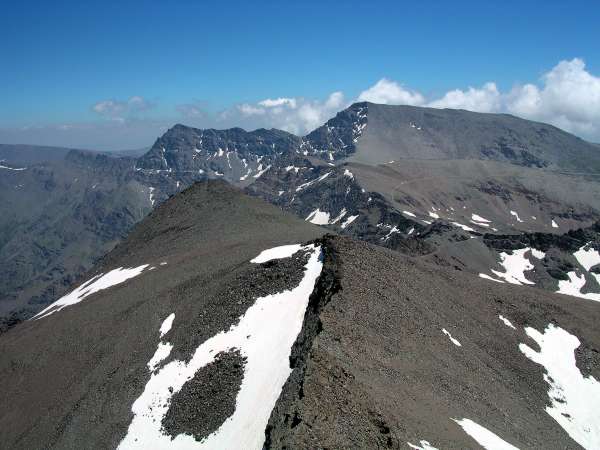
point(318, 217)
point(483, 436)
point(573, 287)
point(309, 183)
point(283, 251)
point(151, 195)
point(515, 266)
point(349, 220)
point(264, 335)
point(393, 230)
point(97, 283)
point(464, 227)
point(244, 177)
point(261, 171)
point(574, 399)
point(588, 258)
point(506, 322)
point(514, 213)
point(167, 324)
point(487, 277)
point(16, 169)
point(162, 352)
point(423, 445)
point(537, 253)
point(454, 341)
point(476, 218)
point(339, 216)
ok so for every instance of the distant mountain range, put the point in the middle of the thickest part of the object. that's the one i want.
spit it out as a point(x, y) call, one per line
point(441, 185)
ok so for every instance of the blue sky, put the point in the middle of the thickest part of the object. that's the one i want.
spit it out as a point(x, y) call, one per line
point(192, 61)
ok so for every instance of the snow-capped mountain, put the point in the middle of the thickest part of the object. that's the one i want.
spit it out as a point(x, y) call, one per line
point(426, 182)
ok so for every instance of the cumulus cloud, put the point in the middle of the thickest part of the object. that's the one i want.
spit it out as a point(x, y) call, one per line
point(119, 109)
point(271, 103)
point(567, 96)
point(296, 115)
point(391, 93)
point(484, 99)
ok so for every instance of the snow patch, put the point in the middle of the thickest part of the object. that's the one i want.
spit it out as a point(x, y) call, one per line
point(260, 172)
point(348, 221)
point(506, 322)
point(515, 266)
point(162, 352)
point(348, 174)
point(464, 227)
point(244, 177)
point(408, 213)
point(151, 195)
point(477, 218)
point(392, 231)
point(95, 284)
point(537, 253)
point(588, 258)
point(423, 445)
point(487, 277)
point(574, 399)
point(309, 183)
point(514, 213)
point(340, 216)
point(283, 251)
point(16, 169)
point(554, 224)
point(483, 436)
point(167, 324)
point(573, 287)
point(454, 341)
point(318, 217)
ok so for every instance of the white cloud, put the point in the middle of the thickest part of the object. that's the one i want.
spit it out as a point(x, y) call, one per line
point(270, 103)
point(117, 109)
point(391, 93)
point(568, 96)
point(295, 115)
point(485, 99)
